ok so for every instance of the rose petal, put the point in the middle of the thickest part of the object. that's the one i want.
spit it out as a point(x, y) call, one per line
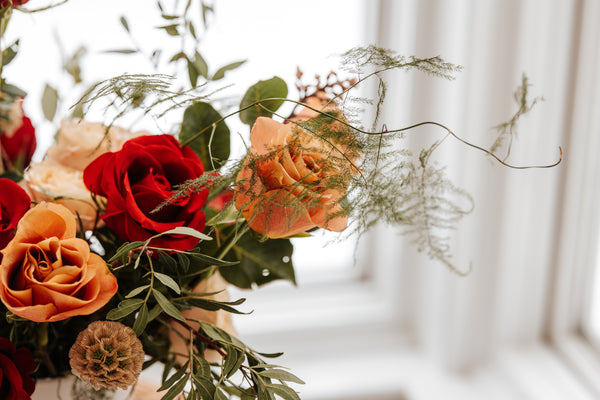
point(272, 215)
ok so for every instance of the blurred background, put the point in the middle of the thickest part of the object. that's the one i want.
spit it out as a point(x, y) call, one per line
point(383, 321)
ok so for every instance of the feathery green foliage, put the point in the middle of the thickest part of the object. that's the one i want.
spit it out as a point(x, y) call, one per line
point(507, 131)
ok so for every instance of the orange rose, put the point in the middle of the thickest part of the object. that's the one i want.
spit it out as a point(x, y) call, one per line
point(47, 274)
point(292, 180)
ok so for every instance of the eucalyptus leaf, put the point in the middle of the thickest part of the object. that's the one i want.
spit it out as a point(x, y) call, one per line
point(141, 320)
point(154, 312)
point(168, 382)
point(233, 361)
point(271, 88)
point(183, 261)
point(212, 305)
point(219, 395)
point(176, 388)
point(204, 369)
point(171, 29)
point(281, 375)
point(121, 51)
point(184, 230)
point(168, 281)
point(124, 250)
point(205, 387)
point(9, 53)
point(137, 291)
point(124, 308)
point(201, 65)
point(167, 306)
point(210, 142)
point(49, 102)
point(220, 74)
point(283, 391)
point(124, 22)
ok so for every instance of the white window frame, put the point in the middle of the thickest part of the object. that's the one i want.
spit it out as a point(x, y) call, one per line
point(412, 328)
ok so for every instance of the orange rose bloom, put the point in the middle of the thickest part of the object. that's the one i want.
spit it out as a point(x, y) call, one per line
point(47, 274)
point(292, 181)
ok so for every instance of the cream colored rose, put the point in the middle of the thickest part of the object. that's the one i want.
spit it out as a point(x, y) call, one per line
point(52, 182)
point(80, 142)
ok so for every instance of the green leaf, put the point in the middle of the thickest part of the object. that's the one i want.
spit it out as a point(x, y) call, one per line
point(168, 281)
point(167, 306)
point(215, 333)
point(219, 395)
point(12, 90)
point(203, 258)
point(271, 355)
point(210, 142)
point(9, 53)
point(121, 51)
point(192, 73)
point(167, 261)
point(176, 388)
point(285, 392)
point(201, 65)
point(170, 29)
point(124, 22)
point(281, 375)
point(124, 308)
point(167, 383)
point(184, 230)
point(141, 321)
point(233, 361)
point(272, 88)
point(136, 291)
point(260, 262)
point(192, 30)
point(220, 74)
point(154, 312)
point(49, 102)
point(205, 387)
point(124, 250)
point(183, 261)
point(204, 368)
point(212, 305)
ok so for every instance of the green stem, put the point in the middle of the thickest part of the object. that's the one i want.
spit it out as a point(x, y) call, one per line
point(43, 348)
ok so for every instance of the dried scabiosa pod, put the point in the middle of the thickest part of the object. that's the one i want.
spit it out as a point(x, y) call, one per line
point(107, 354)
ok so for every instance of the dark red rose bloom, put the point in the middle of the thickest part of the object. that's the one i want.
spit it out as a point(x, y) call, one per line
point(19, 147)
point(139, 178)
point(14, 203)
point(15, 367)
point(13, 3)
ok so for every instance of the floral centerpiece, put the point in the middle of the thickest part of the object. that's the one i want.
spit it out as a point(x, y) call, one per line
point(117, 248)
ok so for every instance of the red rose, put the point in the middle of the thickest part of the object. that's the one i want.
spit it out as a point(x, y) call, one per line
point(18, 147)
point(139, 178)
point(12, 3)
point(14, 203)
point(15, 367)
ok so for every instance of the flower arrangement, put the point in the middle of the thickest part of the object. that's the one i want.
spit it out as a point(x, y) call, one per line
point(117, 248)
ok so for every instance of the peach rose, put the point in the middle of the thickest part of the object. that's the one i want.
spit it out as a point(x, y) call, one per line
point(292, 181)
point(220, 318)
point(80, 142)
point(49, 181)
point(47, 274)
